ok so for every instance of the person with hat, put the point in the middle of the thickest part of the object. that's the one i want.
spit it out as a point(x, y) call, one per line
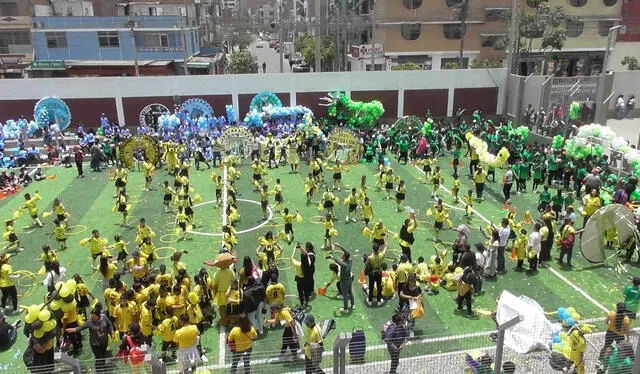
point(282, 315)
point(100, 329)
point(313, 346)
point(7, 286)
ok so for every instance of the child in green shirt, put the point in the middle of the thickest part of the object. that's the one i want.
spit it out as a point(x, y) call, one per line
point(545, 199)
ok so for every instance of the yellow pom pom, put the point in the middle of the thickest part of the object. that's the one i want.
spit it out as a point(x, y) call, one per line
point(46, 214)
point(197, 198)
point(298, 218)
point(333, 232)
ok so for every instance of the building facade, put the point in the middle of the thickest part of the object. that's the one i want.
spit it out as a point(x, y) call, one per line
point(628, 36)
point(15, 38)
point(81, 46)
point(428, 33)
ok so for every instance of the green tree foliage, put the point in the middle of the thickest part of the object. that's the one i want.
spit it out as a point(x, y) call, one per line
point(547, 23)
point(306, 45)
point(407, 66)
point(451, 65)
point(485, 63)
point(243, 62)
point(631, 63)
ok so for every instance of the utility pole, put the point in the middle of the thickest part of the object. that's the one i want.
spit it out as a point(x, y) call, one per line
point(132, 23)
point(281, 25)
point(464, 13)
point(295, 27)
point(318, 57)
point(372, 41)
point(511, 56)
point(184, 37)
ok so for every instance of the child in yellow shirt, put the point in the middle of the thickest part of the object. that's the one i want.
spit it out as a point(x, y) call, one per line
point(60, 232)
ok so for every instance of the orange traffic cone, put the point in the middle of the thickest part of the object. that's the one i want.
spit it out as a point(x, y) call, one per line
point(514, 210)
point(513, 255)
point(110, 171)
point(505, 207)
point(362, 280)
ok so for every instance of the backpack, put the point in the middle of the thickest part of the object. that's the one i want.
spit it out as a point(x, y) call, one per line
point(357, 346)
point(385, 328)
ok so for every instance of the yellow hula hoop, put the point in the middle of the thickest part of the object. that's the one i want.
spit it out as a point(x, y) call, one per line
point(29, 287)
point(170, 226)
point(69, 230)
point(314, 220)
point(163, 238)
point(283, 267)
point(171, 251)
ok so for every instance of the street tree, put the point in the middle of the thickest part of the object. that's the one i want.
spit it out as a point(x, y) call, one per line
point(243, 62)
point(631, 63)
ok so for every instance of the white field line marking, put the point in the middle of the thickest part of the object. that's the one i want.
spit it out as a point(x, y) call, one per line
point(238, 232)
point(222, 340)
point(224, 196)
point(553, 271)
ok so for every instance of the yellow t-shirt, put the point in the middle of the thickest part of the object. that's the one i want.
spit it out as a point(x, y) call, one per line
point(367, 211)
point(404, 269)
point(242, 340)
point(480, 177)
point(5, 272)
point(275, 293)
point(186, 336)
point(283, 315)
point(313, 336)
point(440, 215)
point(146, 321)
point(125, 316)
point(138, 269)
point(58, 209)
point(167, 329)
point(221, 282)
point(60, 232)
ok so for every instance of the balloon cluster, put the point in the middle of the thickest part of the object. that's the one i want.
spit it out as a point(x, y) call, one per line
point(521, 133)
point(40, 321)
point(354, 113)
point(253, 118)
point(231, 114)
point(579, 148)
point(426, 127)
point(293, 114)
point(568, 316)
point(574, 111)
point(12, 129)
point(618, 143)
point(169, 121)
point(557, 142)
point(264, 99)
point(309, 128)
point(481, 148)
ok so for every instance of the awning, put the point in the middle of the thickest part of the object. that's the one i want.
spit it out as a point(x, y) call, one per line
point(112, 63)
point(199, 64)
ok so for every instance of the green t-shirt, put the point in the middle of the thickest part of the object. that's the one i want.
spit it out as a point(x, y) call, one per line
point(523, 170)
point(552, 166)
point(558, 200)
point(545, 197)
point(569, 200)
point(404, 145)
point(537, 171)
point(631, 298)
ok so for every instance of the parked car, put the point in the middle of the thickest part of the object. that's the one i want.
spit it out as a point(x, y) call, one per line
point(296, 59)
point(301, 68)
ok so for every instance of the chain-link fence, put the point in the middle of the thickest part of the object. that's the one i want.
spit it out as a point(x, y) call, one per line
point(463, 353)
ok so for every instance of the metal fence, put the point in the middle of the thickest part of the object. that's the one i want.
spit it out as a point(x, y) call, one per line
point(421, 354)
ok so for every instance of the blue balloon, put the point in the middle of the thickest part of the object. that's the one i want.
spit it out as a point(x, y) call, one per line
point(570, 321)
point(556, 339)
point(561, 310)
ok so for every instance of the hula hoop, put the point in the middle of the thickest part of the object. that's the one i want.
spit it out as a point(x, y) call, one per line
point(314, 221)
point(163, 238)
point(169, 226)
point(29, 287)
point(283, 267)
point(69, 230)
point(171, 251)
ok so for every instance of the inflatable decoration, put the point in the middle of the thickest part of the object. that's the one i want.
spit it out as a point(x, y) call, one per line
point(169, 121)
point(309, 128)
point(144, 143)
point(574, 111)
point(558, 141)
point(52, 110)
point(237, 140)
point(355, 114)
point(281, 114)
point(196, 108)
point(343, 144)
point(231, 114)
point(592, 243)
point(407, 122)
point(264, 99)
point(481, 148)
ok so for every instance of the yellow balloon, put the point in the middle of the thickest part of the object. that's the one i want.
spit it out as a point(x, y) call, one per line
point(66, 307)
point(32, 313)
point(571, 310)
point(468, 135)
point(193, 298)
point(56, 305)
point(49, 325)
point(64, 291)
point(44, 315)
point(39, 333)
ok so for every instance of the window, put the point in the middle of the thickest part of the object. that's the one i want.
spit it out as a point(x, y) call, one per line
point(609, 2)
point(56, 39)
point(108, 39)
point(578, 3)
point(154, 40)
point(453, 3)
point(574, 29)
point(603, 27)
point(495, 14)
point(535, 3)
point(13, 37)
point(452, 31)
point(491, 41)
point(8, 9)
point(412, 4)
point(410, 31)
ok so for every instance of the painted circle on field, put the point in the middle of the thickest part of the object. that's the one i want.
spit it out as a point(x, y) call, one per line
point(169, 238)
point(76, 229)
point(170, 226)
point(318, 220)
point(254, 228)
point(162, 256)
point(395, 250)
point(28, 229)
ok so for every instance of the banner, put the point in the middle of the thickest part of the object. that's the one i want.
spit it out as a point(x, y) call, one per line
point(343, 145)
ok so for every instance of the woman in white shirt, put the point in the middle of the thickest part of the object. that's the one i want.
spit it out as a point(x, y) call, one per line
point(55, 275)
point(533, 245)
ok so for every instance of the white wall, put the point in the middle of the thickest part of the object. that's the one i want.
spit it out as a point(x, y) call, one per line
point(621, 50)
point(624, 83)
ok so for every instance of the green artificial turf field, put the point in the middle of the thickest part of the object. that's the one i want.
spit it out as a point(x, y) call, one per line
point(89, 201)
